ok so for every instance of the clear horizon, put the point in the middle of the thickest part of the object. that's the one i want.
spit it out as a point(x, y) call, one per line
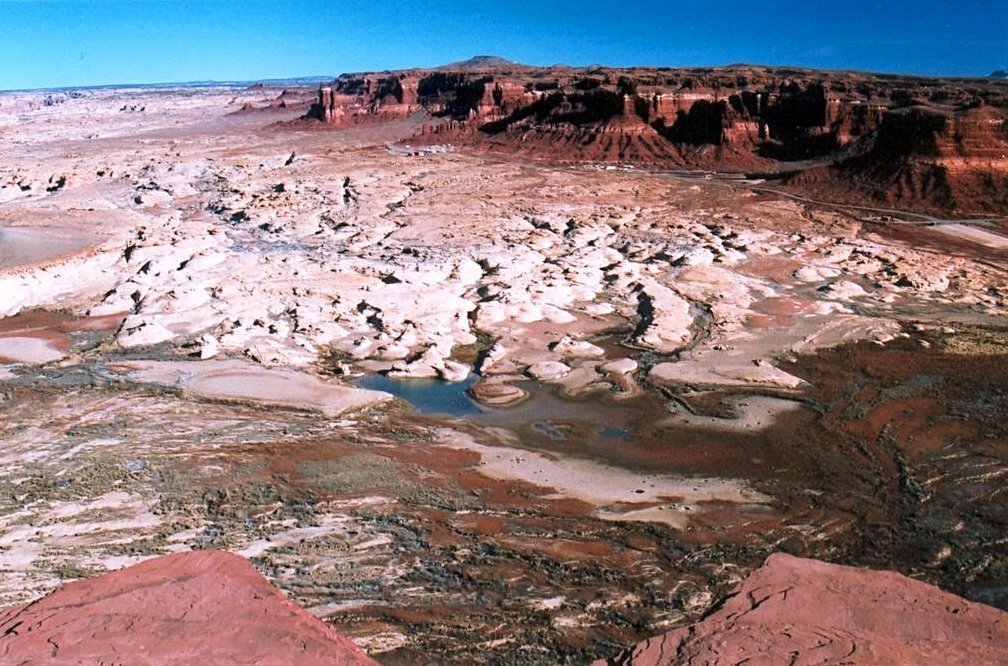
point(60, 44)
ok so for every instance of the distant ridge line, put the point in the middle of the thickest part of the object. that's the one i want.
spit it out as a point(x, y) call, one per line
point(482, 62)
point(293, 81)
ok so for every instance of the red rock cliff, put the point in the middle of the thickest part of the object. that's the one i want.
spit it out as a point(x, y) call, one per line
point(927, 144)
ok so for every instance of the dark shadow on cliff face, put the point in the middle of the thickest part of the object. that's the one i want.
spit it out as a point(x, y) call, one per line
point(914, 143)
point(910, 131)
point(458, 92)
point(539, 110)
point(704, 123)
point(892, 171)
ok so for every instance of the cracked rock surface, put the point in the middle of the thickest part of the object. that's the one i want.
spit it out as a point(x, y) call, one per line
point(799, 611)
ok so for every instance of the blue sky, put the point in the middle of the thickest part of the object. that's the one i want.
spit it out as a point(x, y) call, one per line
point(50, 43)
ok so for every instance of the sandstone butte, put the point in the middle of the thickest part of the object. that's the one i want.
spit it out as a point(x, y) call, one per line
point(800, 611)
point(199, 607)
point(915, 143)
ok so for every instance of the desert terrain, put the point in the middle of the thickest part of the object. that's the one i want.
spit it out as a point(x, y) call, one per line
point(472, 401)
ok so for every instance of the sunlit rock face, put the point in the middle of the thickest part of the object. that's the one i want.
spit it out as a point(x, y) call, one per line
point(910, 142)
point(195, 607)
point(814, 612)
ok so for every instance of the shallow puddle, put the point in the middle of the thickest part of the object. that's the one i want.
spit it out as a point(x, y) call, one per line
point(24, 246)
point(599, 425)
point(431, 397)
point(543, 414)
point(639, 432)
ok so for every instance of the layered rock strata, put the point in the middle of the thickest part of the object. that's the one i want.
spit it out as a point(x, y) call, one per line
point(928, 144)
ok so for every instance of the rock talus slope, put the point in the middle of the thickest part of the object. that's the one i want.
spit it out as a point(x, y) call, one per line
point(801, 611)
point(209, 607)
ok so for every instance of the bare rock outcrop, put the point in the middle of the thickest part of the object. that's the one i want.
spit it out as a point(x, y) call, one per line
point(200, 607)
point(936, 145)
point(933, 159)
point(801, 611)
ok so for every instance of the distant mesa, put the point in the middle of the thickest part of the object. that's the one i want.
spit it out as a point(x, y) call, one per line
point(483, 62)
point(999, 74)
point(297, 97)
point(886, 141)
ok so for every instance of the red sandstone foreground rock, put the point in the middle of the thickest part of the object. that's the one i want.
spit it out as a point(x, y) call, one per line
point(800, 611)
point(201, 607)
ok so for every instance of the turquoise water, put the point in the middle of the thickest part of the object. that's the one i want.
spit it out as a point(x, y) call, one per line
point(428, 396)
point(588, 423)
point(634, 432)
